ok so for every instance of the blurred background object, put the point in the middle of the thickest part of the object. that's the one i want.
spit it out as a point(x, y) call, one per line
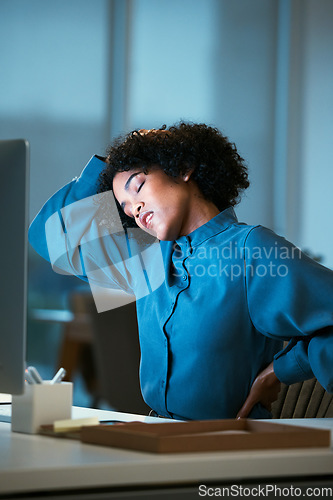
point(76, 73)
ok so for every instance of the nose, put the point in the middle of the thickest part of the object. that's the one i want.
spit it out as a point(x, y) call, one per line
point(136, 209)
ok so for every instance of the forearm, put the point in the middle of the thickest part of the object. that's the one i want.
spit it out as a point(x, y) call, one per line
point(306, 358)
point(292, 364)
point(78, 189)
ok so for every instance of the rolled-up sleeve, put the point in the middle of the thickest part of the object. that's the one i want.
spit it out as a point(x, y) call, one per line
point(290, 297)
point(69, 232)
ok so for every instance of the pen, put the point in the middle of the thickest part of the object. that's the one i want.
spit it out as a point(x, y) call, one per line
point(32, 371)
point(28, 377)
point(58, 376)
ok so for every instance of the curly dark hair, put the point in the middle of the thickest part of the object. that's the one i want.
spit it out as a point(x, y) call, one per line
point(219, 171)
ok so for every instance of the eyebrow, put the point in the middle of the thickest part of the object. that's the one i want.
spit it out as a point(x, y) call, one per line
point(127, 184)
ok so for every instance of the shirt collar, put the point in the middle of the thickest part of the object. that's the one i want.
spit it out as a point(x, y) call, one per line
point(214, 226)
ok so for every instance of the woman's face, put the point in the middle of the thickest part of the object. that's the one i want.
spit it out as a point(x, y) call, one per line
point(160, 204)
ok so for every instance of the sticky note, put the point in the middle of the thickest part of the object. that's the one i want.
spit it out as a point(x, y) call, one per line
point(73, 424)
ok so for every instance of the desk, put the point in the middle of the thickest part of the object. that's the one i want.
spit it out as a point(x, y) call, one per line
point(33, 464)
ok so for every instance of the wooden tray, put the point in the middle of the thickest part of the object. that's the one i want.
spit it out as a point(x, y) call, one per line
point(206, 435)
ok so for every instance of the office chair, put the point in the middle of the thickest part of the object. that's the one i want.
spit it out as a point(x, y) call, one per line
point(104, 349)
point(306, 399)
point(117, 355)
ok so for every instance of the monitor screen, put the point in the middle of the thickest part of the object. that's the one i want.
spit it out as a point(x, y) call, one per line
point(14, 183)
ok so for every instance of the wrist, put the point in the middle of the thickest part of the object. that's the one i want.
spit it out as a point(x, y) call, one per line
point(268, 376)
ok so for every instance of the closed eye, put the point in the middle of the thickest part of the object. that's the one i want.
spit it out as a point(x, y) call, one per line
point(142, 183)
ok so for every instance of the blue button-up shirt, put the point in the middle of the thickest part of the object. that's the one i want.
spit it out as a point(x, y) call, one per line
point(213, 307)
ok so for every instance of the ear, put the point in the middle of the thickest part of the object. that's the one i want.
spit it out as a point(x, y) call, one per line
point(186, 177)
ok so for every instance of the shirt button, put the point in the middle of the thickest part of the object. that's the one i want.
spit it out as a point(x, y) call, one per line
point(184, 277)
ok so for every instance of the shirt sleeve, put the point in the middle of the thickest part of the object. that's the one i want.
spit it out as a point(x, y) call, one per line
point(78, 189)
point(290, 297)
point(80, 232)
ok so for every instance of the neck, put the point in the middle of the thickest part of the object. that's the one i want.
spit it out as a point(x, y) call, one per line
point(201, 211)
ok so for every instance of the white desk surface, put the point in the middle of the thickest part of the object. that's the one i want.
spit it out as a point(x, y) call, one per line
point(37, 463)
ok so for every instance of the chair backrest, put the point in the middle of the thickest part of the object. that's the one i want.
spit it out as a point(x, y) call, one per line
point(305, 399)
point(117, 354)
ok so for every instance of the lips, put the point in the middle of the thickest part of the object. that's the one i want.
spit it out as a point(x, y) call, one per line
point(145, 218)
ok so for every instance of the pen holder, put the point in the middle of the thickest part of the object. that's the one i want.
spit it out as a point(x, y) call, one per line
point(41, 404)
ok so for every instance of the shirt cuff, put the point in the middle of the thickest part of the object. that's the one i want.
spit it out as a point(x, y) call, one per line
point(92, 170)
point(291, 365)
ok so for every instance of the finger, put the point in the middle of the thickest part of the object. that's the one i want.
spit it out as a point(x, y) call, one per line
point(247, 407)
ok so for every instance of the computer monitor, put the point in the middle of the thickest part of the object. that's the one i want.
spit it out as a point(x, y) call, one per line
point(14, 184)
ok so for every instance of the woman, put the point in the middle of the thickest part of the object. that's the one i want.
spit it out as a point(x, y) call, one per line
point(215, 298)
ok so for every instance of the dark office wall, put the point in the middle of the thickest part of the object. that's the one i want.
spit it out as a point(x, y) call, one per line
point(259, 70)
